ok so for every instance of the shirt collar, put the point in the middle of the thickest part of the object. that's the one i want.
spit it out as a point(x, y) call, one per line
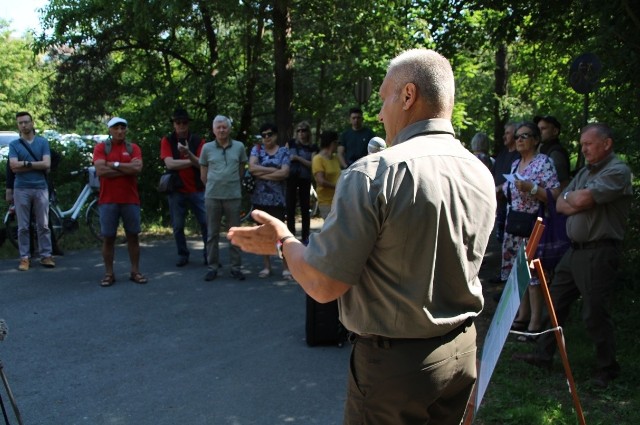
point(431, 126)
point(597, 166)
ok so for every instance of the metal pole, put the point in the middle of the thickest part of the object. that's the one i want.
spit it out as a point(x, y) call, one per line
point(16, 411)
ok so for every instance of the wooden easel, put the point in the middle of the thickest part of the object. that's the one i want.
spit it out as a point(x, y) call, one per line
point(532, 246)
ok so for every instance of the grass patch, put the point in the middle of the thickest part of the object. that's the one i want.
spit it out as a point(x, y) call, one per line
point(522, 394)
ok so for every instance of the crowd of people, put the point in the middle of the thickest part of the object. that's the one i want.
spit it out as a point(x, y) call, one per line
point(401, 258)
point(532, 171)
point(205, 180)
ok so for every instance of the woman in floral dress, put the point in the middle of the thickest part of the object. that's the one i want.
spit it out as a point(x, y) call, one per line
point(537, 174)
point(269, 164)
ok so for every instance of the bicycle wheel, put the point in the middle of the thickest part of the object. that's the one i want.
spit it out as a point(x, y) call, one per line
point(11, 226)
point(55, 224)
point(93, 219)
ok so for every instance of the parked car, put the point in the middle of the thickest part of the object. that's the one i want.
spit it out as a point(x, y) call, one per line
point(6, 137)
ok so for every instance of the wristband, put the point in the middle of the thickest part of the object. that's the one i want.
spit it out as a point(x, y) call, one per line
point(279, 245)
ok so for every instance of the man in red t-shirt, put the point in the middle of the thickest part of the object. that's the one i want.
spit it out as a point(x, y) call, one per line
point(118, 164)
point(180, 152)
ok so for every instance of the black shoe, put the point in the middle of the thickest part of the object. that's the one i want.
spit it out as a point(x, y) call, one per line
point(497, 296)
point(497, 280)
point(183, 261)
point(601, 378)
point(237, 274)
point(533, 359)
point(211, 275)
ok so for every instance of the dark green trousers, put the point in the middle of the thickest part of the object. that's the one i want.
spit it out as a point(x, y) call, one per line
point(590, 274)
point(407, 382)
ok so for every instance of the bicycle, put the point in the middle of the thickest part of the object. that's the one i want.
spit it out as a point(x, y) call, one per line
point(65, 221)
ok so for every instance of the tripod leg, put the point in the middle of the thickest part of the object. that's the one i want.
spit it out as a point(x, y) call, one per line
point(16, 411)
point(4, 411)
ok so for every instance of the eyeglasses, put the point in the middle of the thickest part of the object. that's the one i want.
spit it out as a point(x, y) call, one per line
point(523, 136)
point(302, 130)
point(268, 134)
point(181, 122)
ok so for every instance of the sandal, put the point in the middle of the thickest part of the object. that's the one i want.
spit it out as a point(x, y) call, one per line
point(264, 273)
point(108, 280)
point(286, 274)
point(138, 277)
point(529, 338)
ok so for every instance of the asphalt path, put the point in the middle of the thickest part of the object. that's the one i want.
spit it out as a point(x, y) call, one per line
point(177, 350)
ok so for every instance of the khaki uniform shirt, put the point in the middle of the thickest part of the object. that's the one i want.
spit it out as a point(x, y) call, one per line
point(408, 230)
point(610, 184)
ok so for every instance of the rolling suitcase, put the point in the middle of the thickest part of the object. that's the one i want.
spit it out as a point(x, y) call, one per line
point(322, 326)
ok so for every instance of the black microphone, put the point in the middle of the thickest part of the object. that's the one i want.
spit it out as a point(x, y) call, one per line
point(376, 144)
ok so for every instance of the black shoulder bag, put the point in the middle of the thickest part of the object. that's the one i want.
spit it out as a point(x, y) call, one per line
point(35, 158)
point(519, 223)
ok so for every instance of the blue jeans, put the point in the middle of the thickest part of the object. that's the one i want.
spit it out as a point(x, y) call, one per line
point(231, 210)
point(27, 201)
point(178, 204)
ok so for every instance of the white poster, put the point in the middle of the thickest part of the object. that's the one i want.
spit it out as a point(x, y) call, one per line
point(501, 324)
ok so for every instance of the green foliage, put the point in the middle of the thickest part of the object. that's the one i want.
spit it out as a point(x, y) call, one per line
point(222, 58)
point(22, 86)
point(538, 396)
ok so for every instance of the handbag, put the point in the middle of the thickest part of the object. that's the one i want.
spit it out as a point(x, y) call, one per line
point(554, 241)
point(520, 223)
point(170, 181)
point(248, 182)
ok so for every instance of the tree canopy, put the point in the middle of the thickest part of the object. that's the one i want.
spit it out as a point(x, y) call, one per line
point(288, 60)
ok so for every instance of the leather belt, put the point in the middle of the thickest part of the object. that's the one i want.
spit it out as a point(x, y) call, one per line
point(386, 342)
point(596, 244)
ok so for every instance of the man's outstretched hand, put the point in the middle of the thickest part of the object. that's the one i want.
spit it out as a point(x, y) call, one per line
point(259, 239)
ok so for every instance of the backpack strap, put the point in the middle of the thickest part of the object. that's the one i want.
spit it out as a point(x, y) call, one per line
point(107, 146)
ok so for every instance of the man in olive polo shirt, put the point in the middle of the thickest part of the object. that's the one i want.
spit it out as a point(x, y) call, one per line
point(597, 202)
point(401, 250)
point(222, 163)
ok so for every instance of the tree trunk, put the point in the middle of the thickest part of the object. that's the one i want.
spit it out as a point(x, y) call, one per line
point(502, 79)
point(283, 70)
point(253, 51)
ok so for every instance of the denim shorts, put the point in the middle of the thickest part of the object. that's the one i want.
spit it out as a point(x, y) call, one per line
point(110, 215)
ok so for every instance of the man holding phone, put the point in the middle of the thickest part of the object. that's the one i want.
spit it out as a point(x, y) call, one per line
point(180, 152)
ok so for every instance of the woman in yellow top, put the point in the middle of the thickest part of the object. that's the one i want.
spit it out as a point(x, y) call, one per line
point(325, 167)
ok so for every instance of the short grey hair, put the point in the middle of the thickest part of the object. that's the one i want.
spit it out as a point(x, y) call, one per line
point(480, 142)
point(222, 118)
point(432, 75)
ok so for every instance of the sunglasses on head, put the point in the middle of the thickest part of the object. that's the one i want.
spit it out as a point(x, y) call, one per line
point(302, 130)
point(267, 134)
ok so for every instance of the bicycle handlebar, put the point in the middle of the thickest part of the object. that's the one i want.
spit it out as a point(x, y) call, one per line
point(84, 170)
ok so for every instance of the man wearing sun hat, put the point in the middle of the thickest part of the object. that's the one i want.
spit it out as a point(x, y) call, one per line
point(180, 152)
point(118, 163)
